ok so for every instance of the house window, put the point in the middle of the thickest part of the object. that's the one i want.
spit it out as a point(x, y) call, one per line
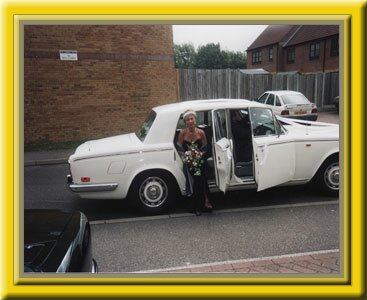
point(334, 50)
point(291, 55)
point(256, 57)
point(271, 54)
point(315, 50)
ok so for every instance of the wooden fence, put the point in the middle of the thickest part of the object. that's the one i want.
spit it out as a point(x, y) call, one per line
point(319, 88)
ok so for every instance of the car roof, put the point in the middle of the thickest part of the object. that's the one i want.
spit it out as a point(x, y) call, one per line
point(283, 92)
point(198, 105)
point(168, 114)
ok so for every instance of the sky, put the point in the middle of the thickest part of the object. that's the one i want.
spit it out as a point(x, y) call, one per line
point(230, 37)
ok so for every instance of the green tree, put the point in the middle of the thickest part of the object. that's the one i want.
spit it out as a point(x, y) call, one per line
point(185, 56)
point(209, 57)
point(234, 60)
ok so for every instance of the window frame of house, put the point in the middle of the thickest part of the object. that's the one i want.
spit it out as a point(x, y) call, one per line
point(270, 54)
point(291, 55)
point(256, 57)
point(334, 46)
point(314, 50)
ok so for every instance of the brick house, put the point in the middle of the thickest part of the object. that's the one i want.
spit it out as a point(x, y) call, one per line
point(300, 48)
point(116, 74)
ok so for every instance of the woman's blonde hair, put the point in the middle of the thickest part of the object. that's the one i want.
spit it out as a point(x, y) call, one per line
point(188, 113)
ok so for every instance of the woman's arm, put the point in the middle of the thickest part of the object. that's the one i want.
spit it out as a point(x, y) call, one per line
point(180, 140)
point(204, 142)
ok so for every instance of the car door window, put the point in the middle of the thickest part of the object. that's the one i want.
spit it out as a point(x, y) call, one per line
point(203, 119)
point(262, 122)
point(220, 124)
point(142, 132)
point(277, 102)
point(270, 100)
point(263, 98)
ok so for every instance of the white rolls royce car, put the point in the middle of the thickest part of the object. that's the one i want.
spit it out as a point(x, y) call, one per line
point(146, 168)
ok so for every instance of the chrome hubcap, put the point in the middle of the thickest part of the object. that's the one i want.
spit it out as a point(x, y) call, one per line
point(331, 176)
point(153, 192)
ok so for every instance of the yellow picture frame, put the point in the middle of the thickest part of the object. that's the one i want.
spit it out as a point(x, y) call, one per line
point(351, 15)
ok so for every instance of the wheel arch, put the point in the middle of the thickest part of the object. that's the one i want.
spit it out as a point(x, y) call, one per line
point(164, 181)
point(331, 156)
point(152, 170)
point(327, 178)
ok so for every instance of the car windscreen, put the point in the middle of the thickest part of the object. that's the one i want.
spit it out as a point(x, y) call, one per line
point(142, 132)
point(295, 99)
point(262, 121)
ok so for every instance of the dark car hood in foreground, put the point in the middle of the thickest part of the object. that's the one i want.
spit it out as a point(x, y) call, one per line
point(48, 238)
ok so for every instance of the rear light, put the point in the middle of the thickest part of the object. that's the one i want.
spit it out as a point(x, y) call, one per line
point(314, 111)
point(85, 179)
point(285, 113)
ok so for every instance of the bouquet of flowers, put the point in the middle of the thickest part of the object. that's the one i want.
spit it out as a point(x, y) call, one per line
point(193, 157)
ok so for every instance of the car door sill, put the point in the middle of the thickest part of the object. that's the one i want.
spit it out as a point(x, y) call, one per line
point(247, 184)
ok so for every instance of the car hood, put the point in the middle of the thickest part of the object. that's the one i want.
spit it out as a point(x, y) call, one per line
point(302, 128)
point(106, 146)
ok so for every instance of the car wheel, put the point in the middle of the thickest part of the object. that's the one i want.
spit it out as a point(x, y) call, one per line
point(153, 192)
point(328, 177)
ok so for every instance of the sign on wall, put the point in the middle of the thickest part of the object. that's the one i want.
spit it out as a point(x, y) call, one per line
point(68, 54)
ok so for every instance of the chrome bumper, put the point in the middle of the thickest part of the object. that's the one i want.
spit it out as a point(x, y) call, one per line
point(94, 187)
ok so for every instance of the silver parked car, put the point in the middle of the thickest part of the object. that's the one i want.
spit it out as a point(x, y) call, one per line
point(289, 104)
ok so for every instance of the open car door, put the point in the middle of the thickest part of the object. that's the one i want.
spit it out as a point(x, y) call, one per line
point(222, 153)
point(274, 151)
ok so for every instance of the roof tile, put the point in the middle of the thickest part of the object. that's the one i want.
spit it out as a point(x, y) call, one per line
point(292, 34)
point(272, 34)
point(308, 33)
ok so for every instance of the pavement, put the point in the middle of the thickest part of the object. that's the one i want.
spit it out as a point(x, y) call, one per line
point(50, 157)
point(319, 262)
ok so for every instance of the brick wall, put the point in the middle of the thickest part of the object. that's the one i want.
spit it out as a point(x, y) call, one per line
point(324, 63)
point(265, 63)
point(121, 73)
